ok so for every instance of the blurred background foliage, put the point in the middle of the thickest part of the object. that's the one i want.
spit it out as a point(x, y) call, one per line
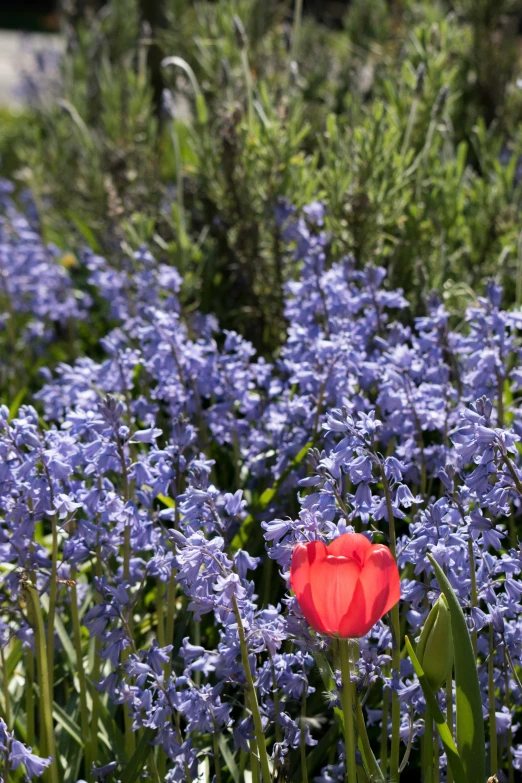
point(183, 125)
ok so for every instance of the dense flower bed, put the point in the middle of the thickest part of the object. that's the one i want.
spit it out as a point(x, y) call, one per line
point(151, 501)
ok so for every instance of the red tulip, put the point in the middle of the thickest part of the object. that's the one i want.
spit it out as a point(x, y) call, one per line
point(343, 589)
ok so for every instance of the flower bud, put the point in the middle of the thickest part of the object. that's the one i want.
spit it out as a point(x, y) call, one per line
point(435, 647)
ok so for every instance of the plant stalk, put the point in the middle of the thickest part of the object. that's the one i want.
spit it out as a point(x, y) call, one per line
point(449, 719)
point(396, 653)
point(296, 30)
point(493, 752)
point(252, 697)
point(348, 702)
point(84, 713)
point(428, 747)
point(47, 744)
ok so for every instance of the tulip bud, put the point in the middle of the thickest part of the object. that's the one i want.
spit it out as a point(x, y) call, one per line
point(435, 647)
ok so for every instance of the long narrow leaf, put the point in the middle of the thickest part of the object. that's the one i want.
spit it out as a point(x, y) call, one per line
point(64, 720)
point(471, 742)
point(229, 759)
point(132, 770)
point(452, 753)
point(14, 658)
point(112, 732)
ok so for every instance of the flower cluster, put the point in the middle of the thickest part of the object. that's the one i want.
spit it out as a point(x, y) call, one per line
point(153, 499)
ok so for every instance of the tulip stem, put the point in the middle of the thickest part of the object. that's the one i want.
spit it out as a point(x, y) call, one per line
point(428, 746)
point(347, 702)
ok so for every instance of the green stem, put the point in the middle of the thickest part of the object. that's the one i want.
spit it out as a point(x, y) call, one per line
point(347, 703)
point(275, 697)
point(155, 772)
point(217, 766)
point(5, 683)
point(493, 754)
point(428, 747)
point(248, 87)
point(252, 697)
point(130, 741)
point(396, 652)
point(513, 472)
point(188, 777)
point(84, 713)
point(449, 719)
point(29, 697)
point(180, 197)
point(436, 760)
point(53, 589)
point(171, 615)
point(196, 635)
point(373, 768)
point(500, 400)
point(474, 593)
point(384, 730)
point(160, 612)
point(254, 763)
point(302, 743)
point(298, 16)
point(96, 669)
point(47, 746)
point(512, 667)
point(511, 771)
point(412, 117)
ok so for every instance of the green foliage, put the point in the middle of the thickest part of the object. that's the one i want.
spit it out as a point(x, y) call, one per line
point(470, 724)
point(454, 759)
point(404, 121)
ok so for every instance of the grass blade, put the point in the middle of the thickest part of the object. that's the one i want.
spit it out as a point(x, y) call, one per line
point(470, 723)
point(132, 770)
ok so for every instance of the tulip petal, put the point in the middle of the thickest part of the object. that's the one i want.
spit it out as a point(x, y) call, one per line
point(353, 624)
point(380, 587)
point(332, 582)
point(303, 556)
point(352, 545)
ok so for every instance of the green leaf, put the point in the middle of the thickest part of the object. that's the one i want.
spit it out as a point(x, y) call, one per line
point(64, 637)
point(34, 613)
point(132, 770)
point(85, 231)
point(112, 736)
point(13, 409)
point(169, 502)
point(14, 658)
point(267, 496)
point(68, 724)
point(470, 723)
point(228, 758)
point(452, 753)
